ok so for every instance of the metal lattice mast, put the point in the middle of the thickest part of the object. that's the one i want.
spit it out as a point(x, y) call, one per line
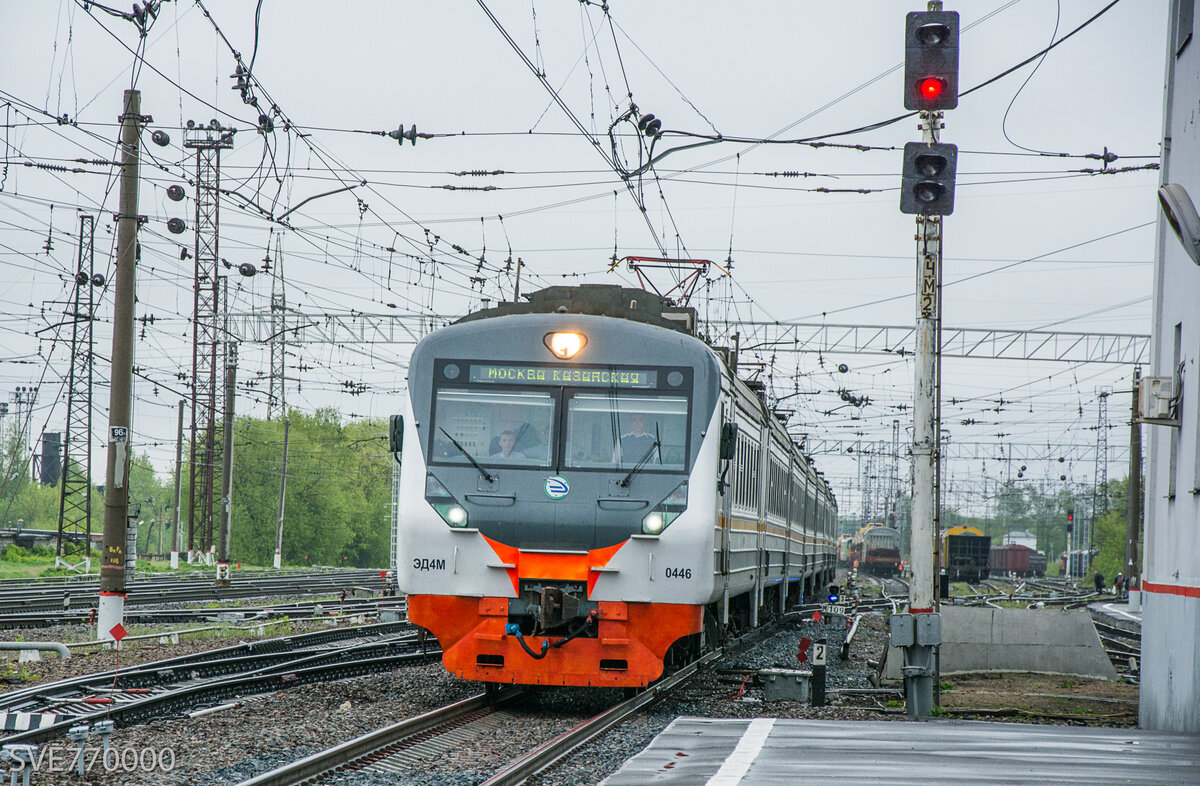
point(1100, 481)
point(894, 478)
point(208, 142)
point(75, 498)
point(277, 398)
point(394, 523)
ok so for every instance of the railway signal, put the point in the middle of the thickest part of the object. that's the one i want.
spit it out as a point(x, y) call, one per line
point(834, 593)
point(931, 60)
point(927, 178)
point(1070, 521)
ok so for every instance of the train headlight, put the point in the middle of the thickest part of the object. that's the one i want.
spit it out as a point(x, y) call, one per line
point(565, 345)
point(666, 511)
point(442, 501)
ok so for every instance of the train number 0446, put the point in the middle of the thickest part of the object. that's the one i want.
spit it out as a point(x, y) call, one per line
point(678, 573)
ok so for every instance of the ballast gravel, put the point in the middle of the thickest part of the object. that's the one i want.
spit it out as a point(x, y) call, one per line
point(231, 745)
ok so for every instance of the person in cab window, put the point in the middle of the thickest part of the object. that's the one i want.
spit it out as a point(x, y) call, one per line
point(508, 444)
point(636, 442)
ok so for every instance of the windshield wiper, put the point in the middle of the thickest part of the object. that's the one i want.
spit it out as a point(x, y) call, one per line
point(624, 482)
point(490, 478)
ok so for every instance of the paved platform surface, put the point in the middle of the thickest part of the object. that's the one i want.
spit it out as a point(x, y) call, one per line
point(767, 751)
point(1119, 612)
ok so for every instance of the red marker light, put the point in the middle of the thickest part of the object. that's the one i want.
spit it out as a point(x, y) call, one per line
point(931, 88)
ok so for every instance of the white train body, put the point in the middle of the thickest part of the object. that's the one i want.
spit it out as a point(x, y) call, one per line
point(566, 520)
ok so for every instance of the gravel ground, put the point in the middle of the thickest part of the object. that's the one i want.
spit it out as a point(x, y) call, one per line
point(713, 693)
point(88, 661)
point(230, 745)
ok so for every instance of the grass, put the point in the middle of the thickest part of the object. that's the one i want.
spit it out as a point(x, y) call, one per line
point(18, 563)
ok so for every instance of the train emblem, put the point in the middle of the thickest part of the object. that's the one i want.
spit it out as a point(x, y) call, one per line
point(557, 487)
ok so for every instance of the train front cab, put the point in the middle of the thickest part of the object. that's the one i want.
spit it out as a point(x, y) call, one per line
point(579, 562)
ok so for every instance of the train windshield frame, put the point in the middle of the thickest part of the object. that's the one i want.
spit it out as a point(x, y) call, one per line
point(544, 416)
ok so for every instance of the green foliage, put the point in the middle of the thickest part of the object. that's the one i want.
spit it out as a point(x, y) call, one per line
point(338, 495)
point(27, 555)
point(338, 491)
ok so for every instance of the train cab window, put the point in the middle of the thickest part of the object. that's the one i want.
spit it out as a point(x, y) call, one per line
point(497, 428)
point(608, 431)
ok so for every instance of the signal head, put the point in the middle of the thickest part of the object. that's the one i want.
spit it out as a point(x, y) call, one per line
point(931, 60)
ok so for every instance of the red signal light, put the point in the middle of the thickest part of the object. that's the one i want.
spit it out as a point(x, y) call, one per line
point(931, 88)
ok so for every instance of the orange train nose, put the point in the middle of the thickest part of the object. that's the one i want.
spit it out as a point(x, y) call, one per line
point(628, 650)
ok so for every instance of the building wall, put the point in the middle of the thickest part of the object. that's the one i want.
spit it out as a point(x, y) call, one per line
point(1170, 692)
point(1021, 538)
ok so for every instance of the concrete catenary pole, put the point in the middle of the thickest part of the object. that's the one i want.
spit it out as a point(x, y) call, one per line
point(1133, 523)
point(178, 490)
point(919, 659)
point(227, 466)
point(120, 392)
point(287, 425)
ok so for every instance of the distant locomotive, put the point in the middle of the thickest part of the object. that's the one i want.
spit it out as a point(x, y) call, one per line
point(964, 554)
point(876, 550)
point(587, 489)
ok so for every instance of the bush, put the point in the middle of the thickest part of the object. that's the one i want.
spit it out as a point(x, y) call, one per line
point(20, 554)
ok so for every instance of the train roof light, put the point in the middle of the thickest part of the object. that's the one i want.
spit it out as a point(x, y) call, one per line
point(565, 345)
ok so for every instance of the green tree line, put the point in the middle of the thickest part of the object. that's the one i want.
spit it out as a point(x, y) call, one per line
point(337, 508)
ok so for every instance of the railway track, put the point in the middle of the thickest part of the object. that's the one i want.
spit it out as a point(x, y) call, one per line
point(206, 679)
point(225, 612)
point(396, 748)
point(1123, 646)
point(24, 596)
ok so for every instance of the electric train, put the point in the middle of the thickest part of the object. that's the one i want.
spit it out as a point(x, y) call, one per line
point(587, 490)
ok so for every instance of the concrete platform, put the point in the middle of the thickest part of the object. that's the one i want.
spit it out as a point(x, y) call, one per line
point(990, 639)
point(1119, 613)
point(764, 751)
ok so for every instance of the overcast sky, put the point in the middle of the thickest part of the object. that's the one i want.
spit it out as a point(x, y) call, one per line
point(1043, 245)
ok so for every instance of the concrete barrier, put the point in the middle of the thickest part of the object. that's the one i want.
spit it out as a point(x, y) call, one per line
point(988, 639)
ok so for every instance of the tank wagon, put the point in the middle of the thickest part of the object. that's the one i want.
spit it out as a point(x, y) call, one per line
point(587, 490)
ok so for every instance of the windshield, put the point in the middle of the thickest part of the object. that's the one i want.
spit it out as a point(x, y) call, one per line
point(496, 428)
point(608, 431)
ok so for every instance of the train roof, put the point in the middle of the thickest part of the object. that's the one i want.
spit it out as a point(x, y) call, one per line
point(604, 300)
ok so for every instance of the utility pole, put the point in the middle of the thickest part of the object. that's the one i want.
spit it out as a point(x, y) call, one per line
point(287, 425)
point(178, 490)
point(1133, 523)
point(227, 466)
point(120, 401)
point(927, 191)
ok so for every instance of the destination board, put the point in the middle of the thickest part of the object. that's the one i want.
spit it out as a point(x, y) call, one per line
point(516, 374)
